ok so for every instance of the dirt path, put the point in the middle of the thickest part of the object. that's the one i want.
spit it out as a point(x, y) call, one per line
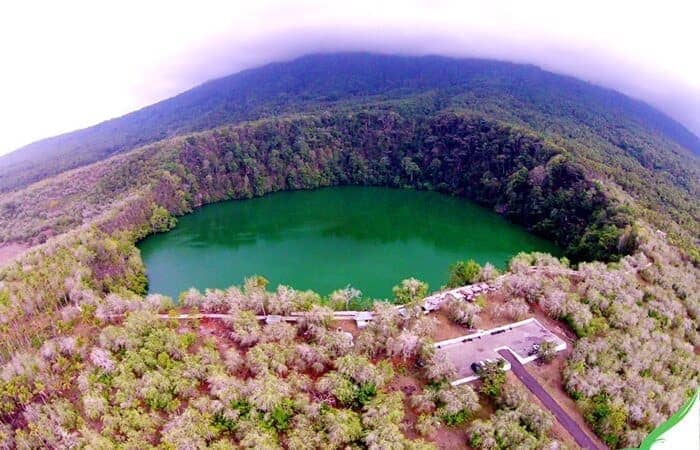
point(567, 422)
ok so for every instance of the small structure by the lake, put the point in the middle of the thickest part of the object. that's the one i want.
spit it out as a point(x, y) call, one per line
point(520, 338)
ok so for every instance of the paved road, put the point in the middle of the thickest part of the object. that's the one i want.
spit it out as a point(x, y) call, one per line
point(567, 422)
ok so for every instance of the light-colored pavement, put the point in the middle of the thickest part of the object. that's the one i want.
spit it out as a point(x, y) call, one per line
point(519, 337)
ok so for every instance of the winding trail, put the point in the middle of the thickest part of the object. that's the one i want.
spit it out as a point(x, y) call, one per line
point(580, 436)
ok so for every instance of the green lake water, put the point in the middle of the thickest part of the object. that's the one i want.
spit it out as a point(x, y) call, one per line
point(368, 237)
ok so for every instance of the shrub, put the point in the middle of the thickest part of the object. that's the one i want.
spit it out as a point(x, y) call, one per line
point(463, 272)
point(464, 313)
point(427, 424)
point(492, 378)
point(409, 291)
point(547, 351)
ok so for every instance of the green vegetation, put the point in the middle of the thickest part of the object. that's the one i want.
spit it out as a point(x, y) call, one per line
point(530, 181)
point(547, 351)
point(85, 360)
point(517, 423)
point(492, 377)
point(463, 273)
point(608, 420)
point(642, 151)
point(144, 374)
point(409, 291)
point(634, 363)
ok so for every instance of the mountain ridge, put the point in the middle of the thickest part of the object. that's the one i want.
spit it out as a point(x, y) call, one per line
point(87, 358)
point(317, 81)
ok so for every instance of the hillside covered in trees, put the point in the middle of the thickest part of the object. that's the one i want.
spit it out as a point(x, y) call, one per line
point(525, 178)
point(618, 138)
point(86, 361)
point(547, 102)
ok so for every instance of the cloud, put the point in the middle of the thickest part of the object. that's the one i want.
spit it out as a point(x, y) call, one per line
point(79, 63)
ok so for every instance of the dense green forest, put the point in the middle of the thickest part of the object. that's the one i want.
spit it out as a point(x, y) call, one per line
point(602, 119)
point(613, 138)
point(530, 181)
point(86, 361)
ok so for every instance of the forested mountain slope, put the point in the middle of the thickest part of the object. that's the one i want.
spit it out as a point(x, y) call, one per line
point(665, 195)
point(84, 361)
point(527, 179)
point(316, 82)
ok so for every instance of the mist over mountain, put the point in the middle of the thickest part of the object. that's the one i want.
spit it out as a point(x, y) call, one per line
point(314, 83)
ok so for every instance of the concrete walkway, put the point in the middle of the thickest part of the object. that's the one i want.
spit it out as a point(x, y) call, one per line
point(580, 436)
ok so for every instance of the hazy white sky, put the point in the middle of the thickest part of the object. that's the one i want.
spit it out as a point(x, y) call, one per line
point(71, 64)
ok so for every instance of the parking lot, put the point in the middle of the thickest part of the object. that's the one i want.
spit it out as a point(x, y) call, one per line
point(518, 337)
